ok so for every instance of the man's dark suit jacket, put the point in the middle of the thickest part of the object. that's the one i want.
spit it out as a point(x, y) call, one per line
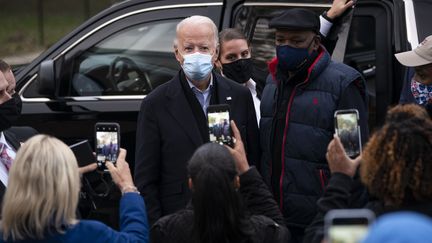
point(168, 134)
point(15, 144)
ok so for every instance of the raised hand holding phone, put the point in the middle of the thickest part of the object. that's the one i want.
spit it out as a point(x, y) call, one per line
point(338, 160)
point(238, 151)
point(121, 174)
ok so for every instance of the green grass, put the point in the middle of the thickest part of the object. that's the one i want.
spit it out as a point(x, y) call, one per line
point(20, 30)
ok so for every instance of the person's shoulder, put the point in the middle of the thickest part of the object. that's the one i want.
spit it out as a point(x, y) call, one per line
point(178, 225)
point(179, 219)
point(267, 228)
point(341, 68)
point(236, 87)
point(160, 92)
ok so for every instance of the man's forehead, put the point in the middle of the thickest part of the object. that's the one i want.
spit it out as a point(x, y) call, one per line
point(196, 31)
point(196, 39)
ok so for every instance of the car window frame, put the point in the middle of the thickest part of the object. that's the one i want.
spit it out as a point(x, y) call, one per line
point(145, 14)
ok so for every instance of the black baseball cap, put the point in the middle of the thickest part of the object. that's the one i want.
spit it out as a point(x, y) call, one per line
point(296, 19)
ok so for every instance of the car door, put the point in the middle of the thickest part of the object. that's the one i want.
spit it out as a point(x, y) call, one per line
point(105, 68)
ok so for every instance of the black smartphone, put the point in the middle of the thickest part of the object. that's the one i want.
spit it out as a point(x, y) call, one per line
point(219, 124)
point(83, 153)
point(107, 139)
point(347, 225)
point(348, 130)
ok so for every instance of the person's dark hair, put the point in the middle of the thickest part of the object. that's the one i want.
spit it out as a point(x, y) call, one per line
point(397, 160)
point(231, 34)
point(4, 66)
point(219, 214)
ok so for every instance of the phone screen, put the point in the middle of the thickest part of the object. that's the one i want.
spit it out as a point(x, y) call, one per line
point(107, 143)
point(219, 124)
point(347, 225)
point(348, 230)
point(348, 130)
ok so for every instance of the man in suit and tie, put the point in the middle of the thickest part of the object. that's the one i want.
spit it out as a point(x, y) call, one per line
point(172, 121)
point(9, 144)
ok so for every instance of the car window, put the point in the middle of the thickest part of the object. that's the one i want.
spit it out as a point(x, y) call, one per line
point(133, 61)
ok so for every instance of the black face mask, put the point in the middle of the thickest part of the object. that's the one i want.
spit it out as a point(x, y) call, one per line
point(239, 71)
point(10, 111)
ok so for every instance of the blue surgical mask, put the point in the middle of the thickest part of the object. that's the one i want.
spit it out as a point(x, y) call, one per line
point(197, 66)
point(291, 58)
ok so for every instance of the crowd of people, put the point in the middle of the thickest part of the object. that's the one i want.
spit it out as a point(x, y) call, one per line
point(285, 170)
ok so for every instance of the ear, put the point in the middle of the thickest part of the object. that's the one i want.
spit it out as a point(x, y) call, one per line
point(190, 184)
point(317, 42)
point(177, 54)
point(218, 64)
point(237, 182)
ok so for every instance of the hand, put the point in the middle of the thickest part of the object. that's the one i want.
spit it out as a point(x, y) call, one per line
point(121, 174)
point(338, 8)
point(87, 168)
point(337, 159)
point(238, 152)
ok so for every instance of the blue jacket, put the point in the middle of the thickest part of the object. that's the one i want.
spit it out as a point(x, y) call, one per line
point(133, 226)
point(309, 127)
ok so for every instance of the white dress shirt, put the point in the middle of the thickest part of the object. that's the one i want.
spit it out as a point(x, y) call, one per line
point(4, 175)
point(203, 97)
point(251, 85)
point(325, 26)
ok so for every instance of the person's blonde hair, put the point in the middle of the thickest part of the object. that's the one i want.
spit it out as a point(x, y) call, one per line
point(42, 192)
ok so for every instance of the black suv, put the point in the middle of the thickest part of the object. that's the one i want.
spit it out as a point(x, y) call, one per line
point(102, 70)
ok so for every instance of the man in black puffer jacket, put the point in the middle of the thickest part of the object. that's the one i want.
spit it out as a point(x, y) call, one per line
point(297, 115)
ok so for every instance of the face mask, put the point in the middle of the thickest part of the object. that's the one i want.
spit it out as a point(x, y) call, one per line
point(239, 70)
point(421, 92)
point(290, 58)
point(9, 113)
point(197, 66)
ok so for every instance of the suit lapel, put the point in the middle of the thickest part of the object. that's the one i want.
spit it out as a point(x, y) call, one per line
point(180, 110)
point(224, 92)
point(12, 140)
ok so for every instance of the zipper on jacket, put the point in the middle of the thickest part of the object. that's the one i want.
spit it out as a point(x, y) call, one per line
point(286, 128)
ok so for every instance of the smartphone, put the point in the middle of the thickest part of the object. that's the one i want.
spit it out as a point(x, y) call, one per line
point(348, 130)
point(219, 124)
point(347, 225)
point(107, 139)
point(83, 153)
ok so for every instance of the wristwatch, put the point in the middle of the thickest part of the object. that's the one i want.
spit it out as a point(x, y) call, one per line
point(324, 15)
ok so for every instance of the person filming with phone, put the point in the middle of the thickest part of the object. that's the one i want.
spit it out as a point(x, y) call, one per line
point(395, 167)
point(230, 201)
point(41, 199)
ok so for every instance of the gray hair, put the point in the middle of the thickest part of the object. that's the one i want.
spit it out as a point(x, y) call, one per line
point(196, 20)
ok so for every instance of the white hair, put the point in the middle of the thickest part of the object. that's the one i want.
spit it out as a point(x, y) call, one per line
point(197, 20)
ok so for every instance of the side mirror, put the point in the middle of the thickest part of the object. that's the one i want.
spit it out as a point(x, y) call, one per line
point(46, 78)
